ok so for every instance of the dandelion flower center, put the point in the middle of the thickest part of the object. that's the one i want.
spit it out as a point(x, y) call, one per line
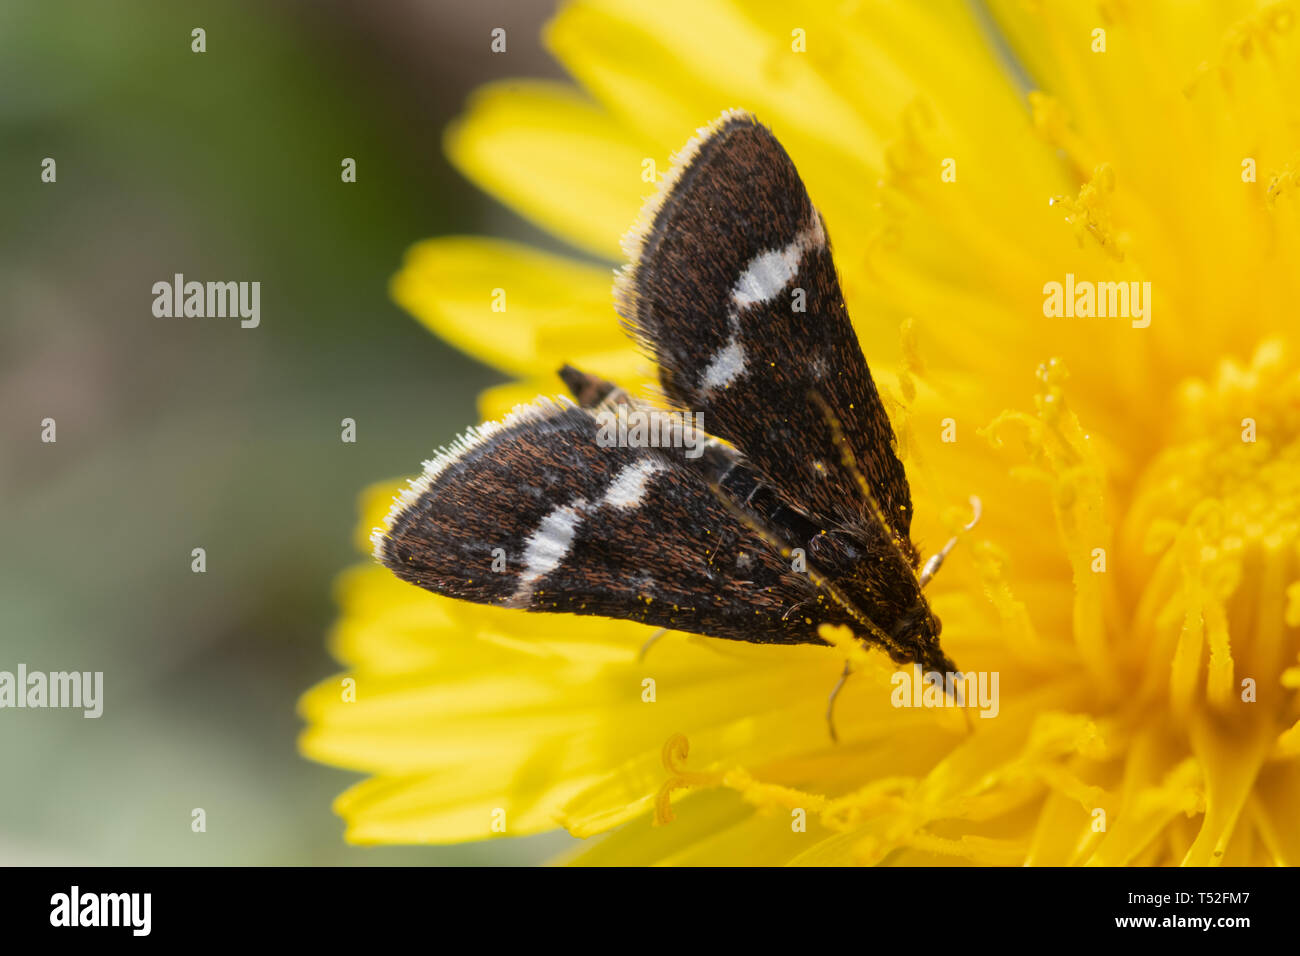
point(1215, 521)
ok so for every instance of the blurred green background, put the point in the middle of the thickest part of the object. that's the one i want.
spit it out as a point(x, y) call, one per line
point(183, 433)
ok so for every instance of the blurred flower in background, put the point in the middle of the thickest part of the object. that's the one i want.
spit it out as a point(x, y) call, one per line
point(177, 434)
point(1135, 581)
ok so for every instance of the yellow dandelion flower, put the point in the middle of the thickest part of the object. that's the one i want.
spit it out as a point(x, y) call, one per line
point(1135, 582)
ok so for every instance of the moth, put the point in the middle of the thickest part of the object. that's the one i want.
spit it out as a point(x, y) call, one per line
point(794, 513)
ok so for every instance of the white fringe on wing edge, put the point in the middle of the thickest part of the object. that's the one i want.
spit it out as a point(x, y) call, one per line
point(634, 238)
point(542, 408)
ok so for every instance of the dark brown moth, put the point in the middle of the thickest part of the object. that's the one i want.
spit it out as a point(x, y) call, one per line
point(795, 513)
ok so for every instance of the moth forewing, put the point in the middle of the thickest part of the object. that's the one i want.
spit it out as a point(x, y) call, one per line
point(734, 293)
point(533, 513)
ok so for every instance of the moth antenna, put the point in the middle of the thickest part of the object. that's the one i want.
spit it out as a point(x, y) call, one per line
point(591, 391)
point(830, 701)
point(653, 639)
point(934, 563)
point(851, 463)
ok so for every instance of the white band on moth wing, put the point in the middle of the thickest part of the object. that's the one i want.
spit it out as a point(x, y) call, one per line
point(763, 279)
point(728, 365)
point(769, 272)
point(548, 546)
point(629, 485)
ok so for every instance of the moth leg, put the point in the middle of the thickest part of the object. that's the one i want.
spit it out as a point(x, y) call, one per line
point(653, 639)
point(934, 563)
point(830, 702)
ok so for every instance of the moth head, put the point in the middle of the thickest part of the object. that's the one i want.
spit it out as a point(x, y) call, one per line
point(918, 622)
point(917, 632)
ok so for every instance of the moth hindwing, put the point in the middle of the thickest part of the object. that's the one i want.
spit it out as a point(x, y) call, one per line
point(732, 291)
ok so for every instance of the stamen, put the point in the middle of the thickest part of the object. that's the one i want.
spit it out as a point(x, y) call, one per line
point(932, 566)
point(1089, 213)
point(675, 751)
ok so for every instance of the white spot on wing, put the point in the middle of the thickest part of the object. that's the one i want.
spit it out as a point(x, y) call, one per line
point(767, 274)
point(629, 485)
point(546, 548)
point(762, 280)
point(728, 365)
point(770, 272)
